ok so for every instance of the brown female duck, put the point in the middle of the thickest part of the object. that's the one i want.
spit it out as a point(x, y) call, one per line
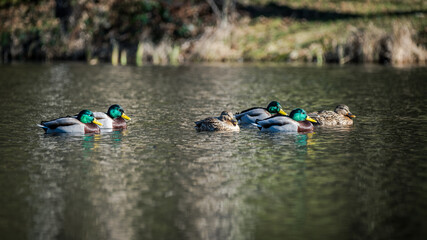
point(225, 122)
point(341, 116)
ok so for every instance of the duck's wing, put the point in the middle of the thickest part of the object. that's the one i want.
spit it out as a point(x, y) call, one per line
point(324, 117)
point(100, 115)
point(210, 120)
point(314, 114)
point(208, 124)
point(60, 122)
point(253, 112)
point(276, 120)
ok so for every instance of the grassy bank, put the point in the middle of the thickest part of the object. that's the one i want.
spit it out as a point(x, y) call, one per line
point(160, 32)
point(356, 40)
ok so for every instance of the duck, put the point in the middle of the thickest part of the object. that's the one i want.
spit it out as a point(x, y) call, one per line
point(341, 116)
point(225, 122)
point(251, 115)
point(84, 122)
point(113, 119)
point(297, 121)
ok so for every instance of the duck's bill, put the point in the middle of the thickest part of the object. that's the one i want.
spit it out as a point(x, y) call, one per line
point(311, 119)
point(282, 112)
point(96, 122)
point(125, 116)
point(351, 115)
point(234, 122)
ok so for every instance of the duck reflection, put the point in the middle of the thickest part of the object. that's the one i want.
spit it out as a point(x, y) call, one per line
point(212, 182)
point(90, 142)
point(54, 199)
point(297, 141)
point(117, 136)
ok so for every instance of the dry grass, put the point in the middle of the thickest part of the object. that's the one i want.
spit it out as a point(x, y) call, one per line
point(373, 44)
point(404, 49)
point(216, 45)
point(387, 39)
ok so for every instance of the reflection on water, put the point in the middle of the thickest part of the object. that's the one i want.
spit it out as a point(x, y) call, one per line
point(160, 179)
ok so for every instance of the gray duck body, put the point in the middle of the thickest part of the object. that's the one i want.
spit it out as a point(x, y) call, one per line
point(252, 115)
point(281, 123)
point(68, 125)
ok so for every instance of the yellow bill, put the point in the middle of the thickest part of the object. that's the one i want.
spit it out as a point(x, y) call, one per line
point(282, 112)
point(125, 116)
point(310, 119)
point(96, 122)
point(351, 115)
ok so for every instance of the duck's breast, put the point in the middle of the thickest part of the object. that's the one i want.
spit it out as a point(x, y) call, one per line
point(345, 121)
point(228, 126)
point(119, 123)
point(305, 126)
point(91, 128)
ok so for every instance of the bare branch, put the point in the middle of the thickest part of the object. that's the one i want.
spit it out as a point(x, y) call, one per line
point(215, 9)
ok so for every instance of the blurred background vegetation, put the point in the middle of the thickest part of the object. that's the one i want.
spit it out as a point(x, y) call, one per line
point(173, 32)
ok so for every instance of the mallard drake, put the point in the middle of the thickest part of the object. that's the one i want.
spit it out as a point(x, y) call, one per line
point(340, 116)
point(251, 115)
point(225, 122)
point(114, 118)
point(297, 121)
point(84, 122)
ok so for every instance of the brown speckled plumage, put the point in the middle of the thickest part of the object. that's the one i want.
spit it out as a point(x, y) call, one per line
point(341, 116)
point(225, 122)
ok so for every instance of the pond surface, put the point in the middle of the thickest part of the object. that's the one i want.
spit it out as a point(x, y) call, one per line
point(160, 179)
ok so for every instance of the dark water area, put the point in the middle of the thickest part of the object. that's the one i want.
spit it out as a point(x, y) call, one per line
point(160, 179)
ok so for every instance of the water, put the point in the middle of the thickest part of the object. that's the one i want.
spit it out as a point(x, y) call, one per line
point(160, 179)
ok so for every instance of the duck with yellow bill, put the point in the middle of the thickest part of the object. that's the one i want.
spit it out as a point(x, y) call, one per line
point(84, 122)
point(297, 121)
point(113, 119)
point(251, 115)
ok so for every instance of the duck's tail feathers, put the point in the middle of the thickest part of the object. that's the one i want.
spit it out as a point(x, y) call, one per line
point(257, 125)
point(42, 126)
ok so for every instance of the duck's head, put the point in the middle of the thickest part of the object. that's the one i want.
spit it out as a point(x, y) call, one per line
point(116, 111)
point(227, 116)
point(275, 107)
point(344, 110)
point(86, 116)
point(299, 115)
